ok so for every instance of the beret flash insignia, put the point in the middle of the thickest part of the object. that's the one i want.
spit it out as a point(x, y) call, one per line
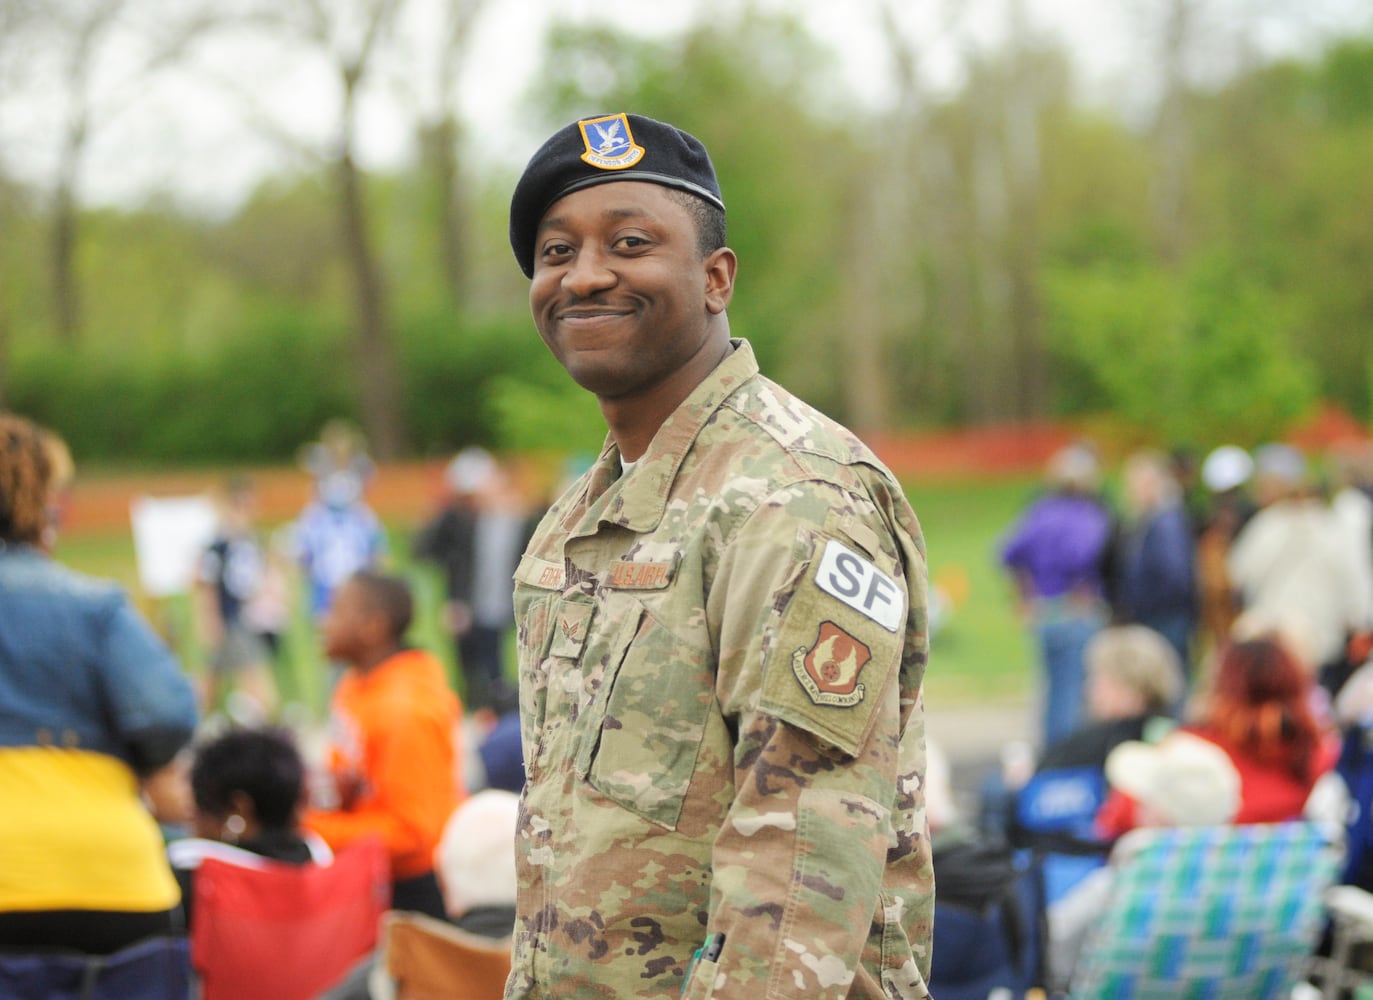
point(609, 143)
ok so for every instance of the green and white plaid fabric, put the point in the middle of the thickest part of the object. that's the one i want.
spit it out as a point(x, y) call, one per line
point(1208, 913)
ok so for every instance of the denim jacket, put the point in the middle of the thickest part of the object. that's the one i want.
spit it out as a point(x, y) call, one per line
point(81, 669)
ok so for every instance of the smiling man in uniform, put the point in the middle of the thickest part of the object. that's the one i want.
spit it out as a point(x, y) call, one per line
point(722, 629)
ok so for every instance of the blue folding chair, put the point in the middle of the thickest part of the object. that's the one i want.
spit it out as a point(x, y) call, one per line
point(1053, 816)
point(155, 969)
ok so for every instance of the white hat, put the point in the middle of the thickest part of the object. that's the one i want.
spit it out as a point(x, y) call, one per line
point(475, 856)
point(1226, 467)
point(1186, 780)
point(469, 470)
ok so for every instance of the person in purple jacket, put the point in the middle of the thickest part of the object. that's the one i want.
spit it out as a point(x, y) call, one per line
point(1057, 553)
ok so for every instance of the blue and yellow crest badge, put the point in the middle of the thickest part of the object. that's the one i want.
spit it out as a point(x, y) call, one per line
point(609, 143)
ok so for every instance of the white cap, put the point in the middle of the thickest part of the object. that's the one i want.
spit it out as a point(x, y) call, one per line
point(1186, 780)
point(475, 855)
point(469, 470)
point(1226, 467)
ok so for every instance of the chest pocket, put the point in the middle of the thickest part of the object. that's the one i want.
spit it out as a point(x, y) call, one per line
point(645, 727)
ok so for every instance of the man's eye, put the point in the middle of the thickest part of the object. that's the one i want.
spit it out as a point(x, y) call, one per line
point(631, 242)
point(557, 250)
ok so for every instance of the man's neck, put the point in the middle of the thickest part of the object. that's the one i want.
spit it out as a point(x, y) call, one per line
point(634, 420)
point(372, 659)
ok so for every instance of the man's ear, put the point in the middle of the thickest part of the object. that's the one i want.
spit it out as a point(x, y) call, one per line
point(720, 266)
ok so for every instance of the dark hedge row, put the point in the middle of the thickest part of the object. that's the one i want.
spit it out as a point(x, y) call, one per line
point(258, 397)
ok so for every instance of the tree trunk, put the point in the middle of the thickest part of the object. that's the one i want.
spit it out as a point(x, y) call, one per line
point(66, 292)
point(1172, 139)
point(1023, 162)
point(867, 396)
point(376, 367)
point(439, 143)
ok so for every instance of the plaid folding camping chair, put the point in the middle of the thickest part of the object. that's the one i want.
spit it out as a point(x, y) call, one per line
point(1222, 913)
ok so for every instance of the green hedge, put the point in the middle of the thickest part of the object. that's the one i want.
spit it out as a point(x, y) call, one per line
point(258, 396)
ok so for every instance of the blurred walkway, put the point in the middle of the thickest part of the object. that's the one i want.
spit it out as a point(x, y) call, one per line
point(971, 736)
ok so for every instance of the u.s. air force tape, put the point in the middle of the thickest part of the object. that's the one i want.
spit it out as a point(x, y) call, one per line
point(844, 574)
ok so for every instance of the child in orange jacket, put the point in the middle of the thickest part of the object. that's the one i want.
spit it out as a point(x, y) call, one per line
point(393, 738)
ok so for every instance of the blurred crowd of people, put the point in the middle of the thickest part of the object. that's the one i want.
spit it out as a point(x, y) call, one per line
point(121, 777)
point(1203, 646)
point(1256, 542)
point(1203, 639)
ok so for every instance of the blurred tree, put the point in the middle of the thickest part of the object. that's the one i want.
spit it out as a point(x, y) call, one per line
point(983, 250)
point(1201, 358)
point(14, 16)
point(1172, 132)
point(85, 27)
point(1289, 157)
point(285, 245)
point(346, 37)
point(82, 36)
point(987, 167)
point(440, 135)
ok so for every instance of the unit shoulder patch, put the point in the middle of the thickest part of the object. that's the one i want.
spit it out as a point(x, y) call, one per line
point(830, 668)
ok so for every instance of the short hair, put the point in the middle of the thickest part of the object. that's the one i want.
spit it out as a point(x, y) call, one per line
point(1141, 659)
point(711, 228)
point(263, 764)
point(389, 595)
point(26, 478)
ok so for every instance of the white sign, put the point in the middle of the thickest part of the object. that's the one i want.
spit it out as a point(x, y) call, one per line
point(169, 536)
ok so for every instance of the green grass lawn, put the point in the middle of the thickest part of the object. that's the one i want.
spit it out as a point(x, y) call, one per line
point(979, 655)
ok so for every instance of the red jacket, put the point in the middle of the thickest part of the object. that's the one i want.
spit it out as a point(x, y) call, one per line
point(1269, 793)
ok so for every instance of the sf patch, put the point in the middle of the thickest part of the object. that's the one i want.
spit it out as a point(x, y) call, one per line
point(844, 574)
point(830, 668)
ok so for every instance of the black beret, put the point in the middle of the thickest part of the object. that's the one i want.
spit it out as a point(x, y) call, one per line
point(597, 150)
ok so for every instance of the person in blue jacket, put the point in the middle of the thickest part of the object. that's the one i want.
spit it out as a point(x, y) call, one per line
point(91, 703)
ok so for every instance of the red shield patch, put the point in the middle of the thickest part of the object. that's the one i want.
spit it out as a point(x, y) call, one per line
point(831, 667)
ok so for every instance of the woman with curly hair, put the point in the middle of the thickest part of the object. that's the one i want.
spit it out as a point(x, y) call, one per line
point(91, 702)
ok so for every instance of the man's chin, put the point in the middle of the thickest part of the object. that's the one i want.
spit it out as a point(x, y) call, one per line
point(600, 381)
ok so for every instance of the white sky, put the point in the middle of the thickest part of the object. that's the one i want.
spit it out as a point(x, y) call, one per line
point(187, 135)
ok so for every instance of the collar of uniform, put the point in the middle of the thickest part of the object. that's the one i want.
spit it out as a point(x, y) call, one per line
point(641, 504)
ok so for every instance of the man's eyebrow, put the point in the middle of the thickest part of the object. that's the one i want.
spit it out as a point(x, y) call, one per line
point(554, 221)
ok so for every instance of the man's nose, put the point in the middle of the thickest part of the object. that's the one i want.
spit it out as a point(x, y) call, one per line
point(588, 273)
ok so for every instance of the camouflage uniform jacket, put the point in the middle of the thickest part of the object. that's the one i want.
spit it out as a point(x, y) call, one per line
point(721, 655)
